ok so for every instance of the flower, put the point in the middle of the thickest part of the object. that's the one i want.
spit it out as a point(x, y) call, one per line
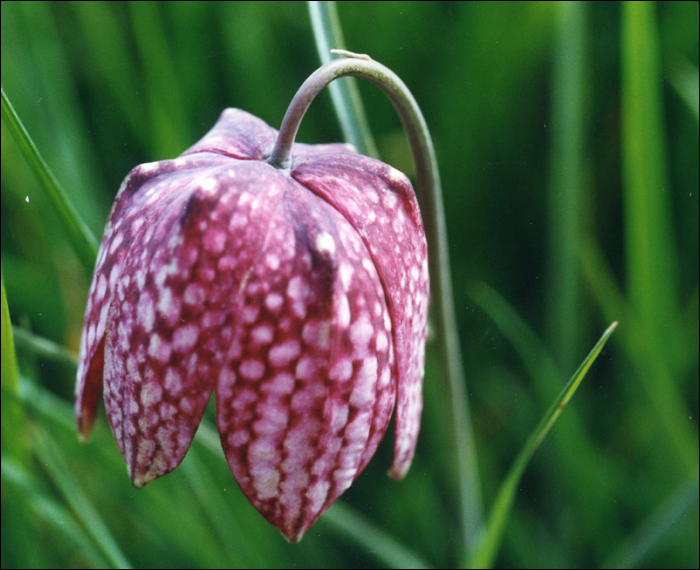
point(300, 296)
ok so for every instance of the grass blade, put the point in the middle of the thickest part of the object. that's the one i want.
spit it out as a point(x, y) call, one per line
point(11, 409)
point(43, 347)
point(537, 360)
point(572, 440)
point(88, 515)
point(51, 513)
point(347, 522)
point(487, 550)
point(104, 36)
point(654, 372)
point(652, 266)
point(214, 505)
point(79, 235)
point(651, 255)
point(684, 78)
point(567, 181)
point(168, 116)
point(345, 94)
point(668, 515)
point(57, 411)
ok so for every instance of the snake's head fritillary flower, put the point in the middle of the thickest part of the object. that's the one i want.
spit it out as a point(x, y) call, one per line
point(299, 296)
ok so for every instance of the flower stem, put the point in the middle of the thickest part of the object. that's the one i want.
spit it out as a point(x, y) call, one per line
point(431, 204)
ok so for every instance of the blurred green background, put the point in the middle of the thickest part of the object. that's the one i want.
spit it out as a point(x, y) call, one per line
point(567, 136)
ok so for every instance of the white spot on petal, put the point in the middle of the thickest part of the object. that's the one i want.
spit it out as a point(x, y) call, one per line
point(187, 405)
point(262, 334)
point(146, 313)
point(266, 484)
point(214, 240)
point(284, 353)
point(297, 291)
point(390, 200)
point(238, 438)
point(238, 220)
point(345, 273)
point(159, 349)
point(272, 261)
point(252, 369)
point(342, 310)
point(274, 301)
point(363, 392)
point(173, 381)
point(385, 377)
point(184, 338)
point(226, 263)
point(341, 370)
point(317, 495)
point(382, 341)
point(306, 368)
point(148, 167)
point(101, 287)
point(151, 394)
point(194, 294)
point(169, 306)
point(250, 313)
point(325, 243)
point(361, 333)
point(316, 333)
point(281, 385)
point(209, 185)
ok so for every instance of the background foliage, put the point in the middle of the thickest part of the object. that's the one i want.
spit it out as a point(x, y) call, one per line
point(568, 141)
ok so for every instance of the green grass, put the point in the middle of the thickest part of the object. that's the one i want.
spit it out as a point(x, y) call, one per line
point(567, 136)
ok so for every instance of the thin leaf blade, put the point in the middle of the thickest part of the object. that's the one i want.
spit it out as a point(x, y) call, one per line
point(345, 94)
point(79, 235)
point(11, 409)
point(486, 552)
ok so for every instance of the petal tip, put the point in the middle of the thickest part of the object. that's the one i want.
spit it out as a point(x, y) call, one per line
point(139, 480)
point(85, 419)
point(397, 472)
point(294, 538)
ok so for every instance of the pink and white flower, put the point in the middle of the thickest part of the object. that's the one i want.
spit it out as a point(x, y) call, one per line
point(299, 296)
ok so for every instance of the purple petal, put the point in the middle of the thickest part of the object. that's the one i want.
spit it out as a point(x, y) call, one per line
point(237, 134)
point(124, 220)
point(380, 204)
point(307, 394)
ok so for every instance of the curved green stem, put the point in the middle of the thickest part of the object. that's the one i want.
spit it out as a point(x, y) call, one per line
point(430, 200)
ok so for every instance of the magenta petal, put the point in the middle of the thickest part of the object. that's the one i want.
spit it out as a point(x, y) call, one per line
point(137, 202)
point(241, 135)
point(380, 204)
point(237, 134)
point(307, 394)
point(160, 361)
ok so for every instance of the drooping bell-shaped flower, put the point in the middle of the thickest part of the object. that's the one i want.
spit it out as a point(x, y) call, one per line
point(299, 296)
